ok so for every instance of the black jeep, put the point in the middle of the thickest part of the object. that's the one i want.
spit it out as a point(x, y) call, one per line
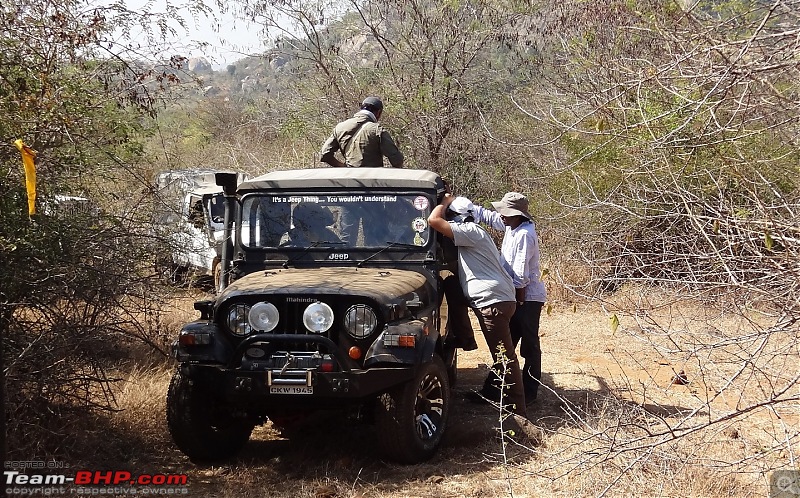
point(330, 299)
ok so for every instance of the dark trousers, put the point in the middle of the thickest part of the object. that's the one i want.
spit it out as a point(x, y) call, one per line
point(525, 330)
point(495, 324)
point(458, 322)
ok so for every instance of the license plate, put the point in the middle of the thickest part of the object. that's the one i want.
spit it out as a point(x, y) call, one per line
point(291, 389)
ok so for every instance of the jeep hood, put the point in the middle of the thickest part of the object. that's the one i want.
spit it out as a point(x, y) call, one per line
point(383, 285)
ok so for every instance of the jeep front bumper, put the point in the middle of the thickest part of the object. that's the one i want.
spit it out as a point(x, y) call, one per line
point(296, 388)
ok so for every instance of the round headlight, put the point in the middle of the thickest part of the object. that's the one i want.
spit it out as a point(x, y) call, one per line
point(237, 319)
point(318, 317)
point(360, 321)
point(263, 316)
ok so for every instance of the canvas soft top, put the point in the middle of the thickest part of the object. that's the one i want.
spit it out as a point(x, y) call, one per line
point(361, 178)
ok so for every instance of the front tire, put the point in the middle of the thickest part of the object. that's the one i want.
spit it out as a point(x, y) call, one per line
point(411, 419)
point(200, 427)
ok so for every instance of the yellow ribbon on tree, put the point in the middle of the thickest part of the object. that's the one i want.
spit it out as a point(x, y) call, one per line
point(28, 155)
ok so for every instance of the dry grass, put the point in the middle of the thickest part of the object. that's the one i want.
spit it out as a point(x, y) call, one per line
point(607, 394)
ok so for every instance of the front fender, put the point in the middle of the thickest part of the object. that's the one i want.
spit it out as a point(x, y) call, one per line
point(422, 352)
point(218, 349)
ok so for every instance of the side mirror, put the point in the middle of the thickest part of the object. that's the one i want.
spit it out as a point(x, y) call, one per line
point(228, 182)
point(206, 309)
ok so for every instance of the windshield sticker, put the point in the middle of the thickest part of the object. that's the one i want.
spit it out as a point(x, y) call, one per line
point(418, 240)
point(419, 224)
point(361, 198)
point(421, 203)
point(296, 199)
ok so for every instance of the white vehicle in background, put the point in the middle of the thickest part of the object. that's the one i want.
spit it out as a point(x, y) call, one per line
point(190, 220)
point(70, 207)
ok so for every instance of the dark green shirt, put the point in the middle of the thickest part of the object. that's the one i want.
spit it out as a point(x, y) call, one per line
point(363, 143)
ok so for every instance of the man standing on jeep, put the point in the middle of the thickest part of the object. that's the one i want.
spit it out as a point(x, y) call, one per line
point(362, 140)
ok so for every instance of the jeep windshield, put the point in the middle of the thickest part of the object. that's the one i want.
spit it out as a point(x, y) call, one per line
point(344, 220)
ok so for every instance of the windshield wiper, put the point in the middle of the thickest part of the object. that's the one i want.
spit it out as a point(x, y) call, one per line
point(389, 245)
point(311, 246)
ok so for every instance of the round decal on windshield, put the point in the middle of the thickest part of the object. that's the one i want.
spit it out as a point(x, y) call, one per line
point(419, 224)
point(421, 203)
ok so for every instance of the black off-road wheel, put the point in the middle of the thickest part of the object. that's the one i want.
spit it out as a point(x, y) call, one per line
point(200, 427)
point(410, 420)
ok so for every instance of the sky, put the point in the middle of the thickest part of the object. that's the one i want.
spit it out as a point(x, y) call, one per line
point(229, 39)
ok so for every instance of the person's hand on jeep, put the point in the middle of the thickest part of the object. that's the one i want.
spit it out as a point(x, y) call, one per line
point(437, 219)
point(447, 199)
point(447, 188)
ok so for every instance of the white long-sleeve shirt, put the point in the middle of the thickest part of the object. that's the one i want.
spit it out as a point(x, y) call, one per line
point(519, 254)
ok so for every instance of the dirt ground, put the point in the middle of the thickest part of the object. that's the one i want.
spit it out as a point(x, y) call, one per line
point(586, 363)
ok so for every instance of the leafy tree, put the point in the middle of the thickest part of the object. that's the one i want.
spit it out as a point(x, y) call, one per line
point(679, 124)
point(440, 66)
point(685, 123)
point(72, 273)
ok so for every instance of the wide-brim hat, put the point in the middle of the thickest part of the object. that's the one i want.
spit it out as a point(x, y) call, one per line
point(513, 204)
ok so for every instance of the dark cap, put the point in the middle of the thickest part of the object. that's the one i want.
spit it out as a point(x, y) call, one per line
point(373, 103)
